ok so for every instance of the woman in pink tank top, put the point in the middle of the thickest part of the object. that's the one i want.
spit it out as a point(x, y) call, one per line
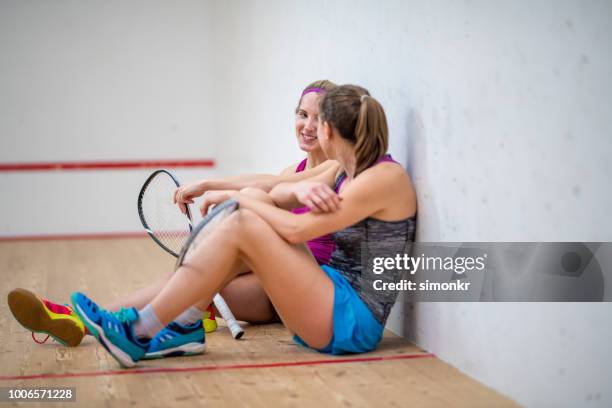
point(306, 123)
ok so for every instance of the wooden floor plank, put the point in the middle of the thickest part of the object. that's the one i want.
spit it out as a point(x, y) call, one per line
point(108, 269)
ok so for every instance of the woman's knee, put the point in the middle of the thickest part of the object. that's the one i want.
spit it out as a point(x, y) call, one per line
point(247, 299)
point(244, 224)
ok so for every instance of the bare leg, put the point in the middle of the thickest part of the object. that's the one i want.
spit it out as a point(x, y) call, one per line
point(248, 301)
point(301, 292)
point(140, 298)
point(244, 296)
point(237, 295)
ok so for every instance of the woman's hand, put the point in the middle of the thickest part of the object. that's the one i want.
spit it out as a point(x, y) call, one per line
point(317, 196)
point(185, 194)
point(214, 197)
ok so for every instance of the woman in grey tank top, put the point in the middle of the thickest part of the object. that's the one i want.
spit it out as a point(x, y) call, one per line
point(376, 202)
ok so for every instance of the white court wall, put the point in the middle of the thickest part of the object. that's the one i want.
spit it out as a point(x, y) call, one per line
point(99, 81)
point(500, 111)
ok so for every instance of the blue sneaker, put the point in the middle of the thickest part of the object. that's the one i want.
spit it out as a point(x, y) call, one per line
point(115, 331)
point(178, 340)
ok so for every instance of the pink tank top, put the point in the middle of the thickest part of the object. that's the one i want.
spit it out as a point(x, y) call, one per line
point(321, 247)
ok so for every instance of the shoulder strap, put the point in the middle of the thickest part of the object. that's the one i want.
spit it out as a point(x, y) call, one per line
point(300, 167)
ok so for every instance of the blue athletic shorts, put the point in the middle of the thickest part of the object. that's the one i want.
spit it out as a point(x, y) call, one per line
point(356, 330)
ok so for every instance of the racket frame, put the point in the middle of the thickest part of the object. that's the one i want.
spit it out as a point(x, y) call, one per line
point(141, 215)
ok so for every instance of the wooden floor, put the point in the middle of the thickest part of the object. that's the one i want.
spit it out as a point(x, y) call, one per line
point(263, 369)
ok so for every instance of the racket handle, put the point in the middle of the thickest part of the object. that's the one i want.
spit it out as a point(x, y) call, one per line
point(228, 316)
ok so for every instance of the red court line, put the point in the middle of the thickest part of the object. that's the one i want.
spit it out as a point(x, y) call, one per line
point(72, 237)
point(104, 165)
point(154, 370)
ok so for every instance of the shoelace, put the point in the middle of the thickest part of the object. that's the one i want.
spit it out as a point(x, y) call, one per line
point(121, 314)
point(40, 342)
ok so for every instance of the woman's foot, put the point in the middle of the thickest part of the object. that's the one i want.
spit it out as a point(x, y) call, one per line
point(208, 320)
point(178, 340)
point(114, 330)
point(42, 316)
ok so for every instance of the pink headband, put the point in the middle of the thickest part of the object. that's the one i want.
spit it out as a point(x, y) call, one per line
point(309, 90)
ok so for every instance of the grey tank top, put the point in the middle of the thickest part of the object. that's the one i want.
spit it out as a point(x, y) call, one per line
point(359, 243)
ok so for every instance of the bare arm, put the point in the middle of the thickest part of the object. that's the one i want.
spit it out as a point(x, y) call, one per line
point(266, 182)
point(284, 194)
point(374, 193)
point(186, 194)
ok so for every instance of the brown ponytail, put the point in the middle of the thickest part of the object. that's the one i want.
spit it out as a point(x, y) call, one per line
point(360, 119)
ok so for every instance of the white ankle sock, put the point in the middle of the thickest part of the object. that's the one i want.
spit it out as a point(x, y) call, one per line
point(148, 323)
point(189, 316)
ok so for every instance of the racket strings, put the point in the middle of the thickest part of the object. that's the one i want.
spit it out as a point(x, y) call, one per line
point(164, 221)
point(173, 240)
